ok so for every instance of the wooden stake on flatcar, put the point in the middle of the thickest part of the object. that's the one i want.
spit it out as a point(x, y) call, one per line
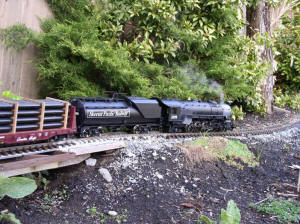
point(66, 110)
point(42, 111)
point(15, 114)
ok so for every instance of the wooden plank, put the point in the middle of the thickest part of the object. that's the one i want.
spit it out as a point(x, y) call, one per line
point(35, 162)
point(97, 148)
point(14, 118)
point(42, 111)
point(42, 116)
point(66, 110)
point(48, 166)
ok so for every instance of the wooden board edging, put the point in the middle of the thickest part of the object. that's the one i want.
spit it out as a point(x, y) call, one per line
point(47, 166)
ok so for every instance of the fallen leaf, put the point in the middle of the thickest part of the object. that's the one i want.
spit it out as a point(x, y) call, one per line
point(187, 205)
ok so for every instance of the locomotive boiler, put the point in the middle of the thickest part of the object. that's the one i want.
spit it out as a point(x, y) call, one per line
point(194, 116)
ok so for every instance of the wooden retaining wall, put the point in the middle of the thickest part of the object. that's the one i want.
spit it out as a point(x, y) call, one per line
point(17, 72)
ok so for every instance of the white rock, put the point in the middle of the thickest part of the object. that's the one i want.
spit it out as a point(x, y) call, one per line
point(112, 213)
point(154, 154)
point(125, 164)
point(182, 190)
point(130, 154)
point(131, 180)
point(159, 176)
point(163, 158)
point(105, 174)
point(90, 162)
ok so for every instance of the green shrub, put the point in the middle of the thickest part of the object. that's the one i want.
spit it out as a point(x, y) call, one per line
point(287, 46)
point(178, 49)
point(287, 100)
point(16, 37)
point(237, 113)
point(286, 211)
point(9, 218)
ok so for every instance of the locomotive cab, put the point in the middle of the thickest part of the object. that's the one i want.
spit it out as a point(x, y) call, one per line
point(173, 113)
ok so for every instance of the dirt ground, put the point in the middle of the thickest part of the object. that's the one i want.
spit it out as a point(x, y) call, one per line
point(152, 178)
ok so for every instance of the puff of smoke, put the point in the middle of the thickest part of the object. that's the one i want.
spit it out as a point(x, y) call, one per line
point(191, 75)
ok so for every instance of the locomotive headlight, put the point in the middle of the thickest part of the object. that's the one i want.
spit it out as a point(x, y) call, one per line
point(226, 110)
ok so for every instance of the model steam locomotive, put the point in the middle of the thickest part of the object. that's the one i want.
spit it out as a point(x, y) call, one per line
point(26, 120)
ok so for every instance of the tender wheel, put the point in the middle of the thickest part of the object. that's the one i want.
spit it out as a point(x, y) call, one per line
point(100, 131)
point(85, 133)
point(136, 129)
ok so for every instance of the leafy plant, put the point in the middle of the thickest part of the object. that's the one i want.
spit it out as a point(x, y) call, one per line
point(18, 36)
point(259, 154)
point(286, 211)
point(16, 187)
point(287, 100)
point(287, 46)
point(231, 215)
point(237, 113)
point(10, 218)
point(93, 212)
point(11, 95)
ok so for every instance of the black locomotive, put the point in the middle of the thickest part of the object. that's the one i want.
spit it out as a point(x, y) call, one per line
point(142, 115)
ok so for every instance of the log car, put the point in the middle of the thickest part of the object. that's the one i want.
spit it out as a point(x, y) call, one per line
point(27, 120)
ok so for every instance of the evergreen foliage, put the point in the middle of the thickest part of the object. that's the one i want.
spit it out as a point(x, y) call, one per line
point(149, 48)
point(179, 49)
point(287, 45)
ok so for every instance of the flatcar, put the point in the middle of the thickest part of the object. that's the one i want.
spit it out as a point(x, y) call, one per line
point(27, 120)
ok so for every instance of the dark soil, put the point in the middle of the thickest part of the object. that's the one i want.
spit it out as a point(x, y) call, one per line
point(139, 195)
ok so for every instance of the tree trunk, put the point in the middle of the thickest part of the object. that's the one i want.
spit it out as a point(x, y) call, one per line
point(259, 20)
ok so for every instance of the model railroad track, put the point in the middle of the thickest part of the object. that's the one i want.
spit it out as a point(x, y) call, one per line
point(280, 126)
point(26, 150)
point(41, 148)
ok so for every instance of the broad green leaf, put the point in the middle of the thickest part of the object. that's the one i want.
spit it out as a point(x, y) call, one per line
point(10, 217)
point(207, 220)
point(232, 214)
point(17, 187)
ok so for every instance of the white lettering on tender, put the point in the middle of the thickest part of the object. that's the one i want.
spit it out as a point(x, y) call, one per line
point(98, 113)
